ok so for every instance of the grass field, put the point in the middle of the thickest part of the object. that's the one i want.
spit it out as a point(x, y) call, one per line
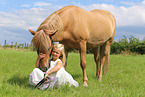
point(126, 77)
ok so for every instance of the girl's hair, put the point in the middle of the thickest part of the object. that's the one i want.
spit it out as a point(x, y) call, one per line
point(60, 48)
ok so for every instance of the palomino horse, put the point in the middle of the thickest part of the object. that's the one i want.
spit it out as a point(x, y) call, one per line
point(78, 29)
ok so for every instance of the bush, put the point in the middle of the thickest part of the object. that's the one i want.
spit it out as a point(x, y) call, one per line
point(132, 44)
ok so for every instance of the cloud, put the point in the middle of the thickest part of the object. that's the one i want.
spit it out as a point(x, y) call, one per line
point(127, 3)
point(14, 25)
point(133, 15)
point(41, 4)
point(25, 5)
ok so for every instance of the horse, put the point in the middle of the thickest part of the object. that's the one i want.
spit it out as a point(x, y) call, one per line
point(79, 29)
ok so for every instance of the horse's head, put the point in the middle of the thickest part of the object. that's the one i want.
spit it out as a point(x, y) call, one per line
point(43, 42)
point(44, 62)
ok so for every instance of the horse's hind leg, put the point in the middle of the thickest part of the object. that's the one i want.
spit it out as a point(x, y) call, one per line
point(66, 54)
point(104, 56)
point(106, 64)
point(96, 58)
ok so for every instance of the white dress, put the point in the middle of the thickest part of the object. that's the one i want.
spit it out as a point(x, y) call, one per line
point(57, 79)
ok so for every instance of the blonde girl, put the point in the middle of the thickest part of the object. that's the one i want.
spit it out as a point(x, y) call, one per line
point(57, 74)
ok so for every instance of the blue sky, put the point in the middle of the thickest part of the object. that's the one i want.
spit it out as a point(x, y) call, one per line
point(17, 16)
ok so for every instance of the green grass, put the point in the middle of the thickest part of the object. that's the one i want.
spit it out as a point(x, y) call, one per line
point(126, 77)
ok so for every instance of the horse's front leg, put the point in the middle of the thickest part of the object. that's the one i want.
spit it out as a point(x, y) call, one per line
point(82, 51)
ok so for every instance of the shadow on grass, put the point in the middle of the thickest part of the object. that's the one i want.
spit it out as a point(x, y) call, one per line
point(20, 81)
point(75, 76)
point(24, 81)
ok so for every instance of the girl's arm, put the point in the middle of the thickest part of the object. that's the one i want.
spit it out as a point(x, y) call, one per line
point(40, 56)
point(55, 69)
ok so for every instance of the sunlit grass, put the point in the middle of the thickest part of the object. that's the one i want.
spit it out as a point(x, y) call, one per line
point(125, 78)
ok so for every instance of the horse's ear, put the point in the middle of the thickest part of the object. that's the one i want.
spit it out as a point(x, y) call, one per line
point(51, 33)
point(32, 32)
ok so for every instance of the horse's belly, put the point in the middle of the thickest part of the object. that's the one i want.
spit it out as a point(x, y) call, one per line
point(91, 45)
point(95, 40)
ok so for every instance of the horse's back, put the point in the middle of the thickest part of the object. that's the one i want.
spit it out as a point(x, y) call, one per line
point(95, 26)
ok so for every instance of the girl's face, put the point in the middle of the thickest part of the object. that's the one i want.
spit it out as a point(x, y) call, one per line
point(55, 54)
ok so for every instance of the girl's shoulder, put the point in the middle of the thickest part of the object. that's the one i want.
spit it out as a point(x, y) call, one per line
point(57, 60)
point(54, 63)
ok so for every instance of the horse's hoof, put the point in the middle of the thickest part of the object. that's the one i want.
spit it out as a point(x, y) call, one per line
point(97, 76)
point(100, 79)
point(85, 85)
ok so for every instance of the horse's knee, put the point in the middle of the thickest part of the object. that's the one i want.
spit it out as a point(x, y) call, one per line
point(106, 53)
point(83, 65)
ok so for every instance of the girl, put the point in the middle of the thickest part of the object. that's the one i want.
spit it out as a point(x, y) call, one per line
point(56, 73)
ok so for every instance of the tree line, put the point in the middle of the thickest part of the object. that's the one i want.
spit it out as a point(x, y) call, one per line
point(125, 45)
point(128, 45)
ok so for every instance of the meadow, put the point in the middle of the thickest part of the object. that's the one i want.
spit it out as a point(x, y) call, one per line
point(126, 76)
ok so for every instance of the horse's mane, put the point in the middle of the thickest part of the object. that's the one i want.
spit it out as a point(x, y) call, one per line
point(52, 22)
point(41, 40)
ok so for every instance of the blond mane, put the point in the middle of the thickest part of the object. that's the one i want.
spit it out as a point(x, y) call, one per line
point(41, 39)
point(53, 22)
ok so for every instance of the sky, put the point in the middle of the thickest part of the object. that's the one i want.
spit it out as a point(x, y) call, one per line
point(17, 16)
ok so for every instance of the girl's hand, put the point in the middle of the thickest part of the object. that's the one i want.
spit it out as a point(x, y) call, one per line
point(46, 75)
point(41, 55)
